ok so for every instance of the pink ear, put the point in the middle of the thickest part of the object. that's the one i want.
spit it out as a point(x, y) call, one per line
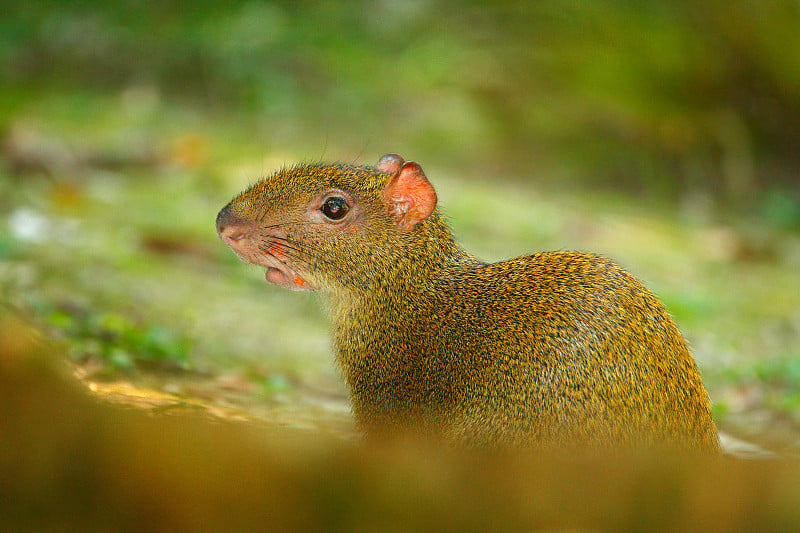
point(409, 195)
point(390, 164)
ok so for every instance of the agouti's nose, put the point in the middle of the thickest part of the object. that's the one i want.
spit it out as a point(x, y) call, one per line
point(231, 235)
point(223, 219)
point(227, 227)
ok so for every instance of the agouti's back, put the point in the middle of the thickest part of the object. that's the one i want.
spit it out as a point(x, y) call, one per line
point(553, 349)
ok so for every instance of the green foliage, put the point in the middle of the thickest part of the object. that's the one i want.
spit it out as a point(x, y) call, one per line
point(768, 389)
point(118, 342)
point(663, 97)
point(274, 384)
point(781, 208)
point(8, 246)
point(781, 371)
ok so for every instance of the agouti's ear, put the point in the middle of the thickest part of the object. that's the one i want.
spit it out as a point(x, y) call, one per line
point(390, 164)
point(409, 195)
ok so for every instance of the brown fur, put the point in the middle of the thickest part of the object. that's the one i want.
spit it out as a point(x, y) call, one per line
point(552, 349)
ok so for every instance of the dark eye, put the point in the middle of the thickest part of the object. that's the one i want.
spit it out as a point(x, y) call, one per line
point(335, 208)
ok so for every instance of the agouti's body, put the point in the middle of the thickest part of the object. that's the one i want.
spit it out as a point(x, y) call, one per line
point(552, 349)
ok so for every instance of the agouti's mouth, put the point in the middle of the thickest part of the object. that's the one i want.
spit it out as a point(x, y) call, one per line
point(246, 245)
point(278, 271)
point(287, 278)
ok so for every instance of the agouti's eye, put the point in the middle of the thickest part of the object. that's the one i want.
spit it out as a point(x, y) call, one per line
point(335, 208)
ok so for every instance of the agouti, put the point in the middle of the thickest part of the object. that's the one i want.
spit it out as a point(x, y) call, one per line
point(553, 349)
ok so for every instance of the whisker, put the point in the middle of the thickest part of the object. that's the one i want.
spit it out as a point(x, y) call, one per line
point(297, 251)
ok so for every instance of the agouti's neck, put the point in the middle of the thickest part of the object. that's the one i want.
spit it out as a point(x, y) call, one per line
point(404, 275)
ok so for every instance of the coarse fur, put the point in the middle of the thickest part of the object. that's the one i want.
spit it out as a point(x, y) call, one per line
point(551, 349)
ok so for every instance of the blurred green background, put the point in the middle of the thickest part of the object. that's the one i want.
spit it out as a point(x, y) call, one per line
point(665, 135)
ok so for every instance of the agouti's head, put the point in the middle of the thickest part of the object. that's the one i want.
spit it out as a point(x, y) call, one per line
point(321, 226)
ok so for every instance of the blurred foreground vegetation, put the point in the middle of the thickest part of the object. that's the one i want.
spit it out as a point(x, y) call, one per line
point(664, 135)
point(72, 463)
